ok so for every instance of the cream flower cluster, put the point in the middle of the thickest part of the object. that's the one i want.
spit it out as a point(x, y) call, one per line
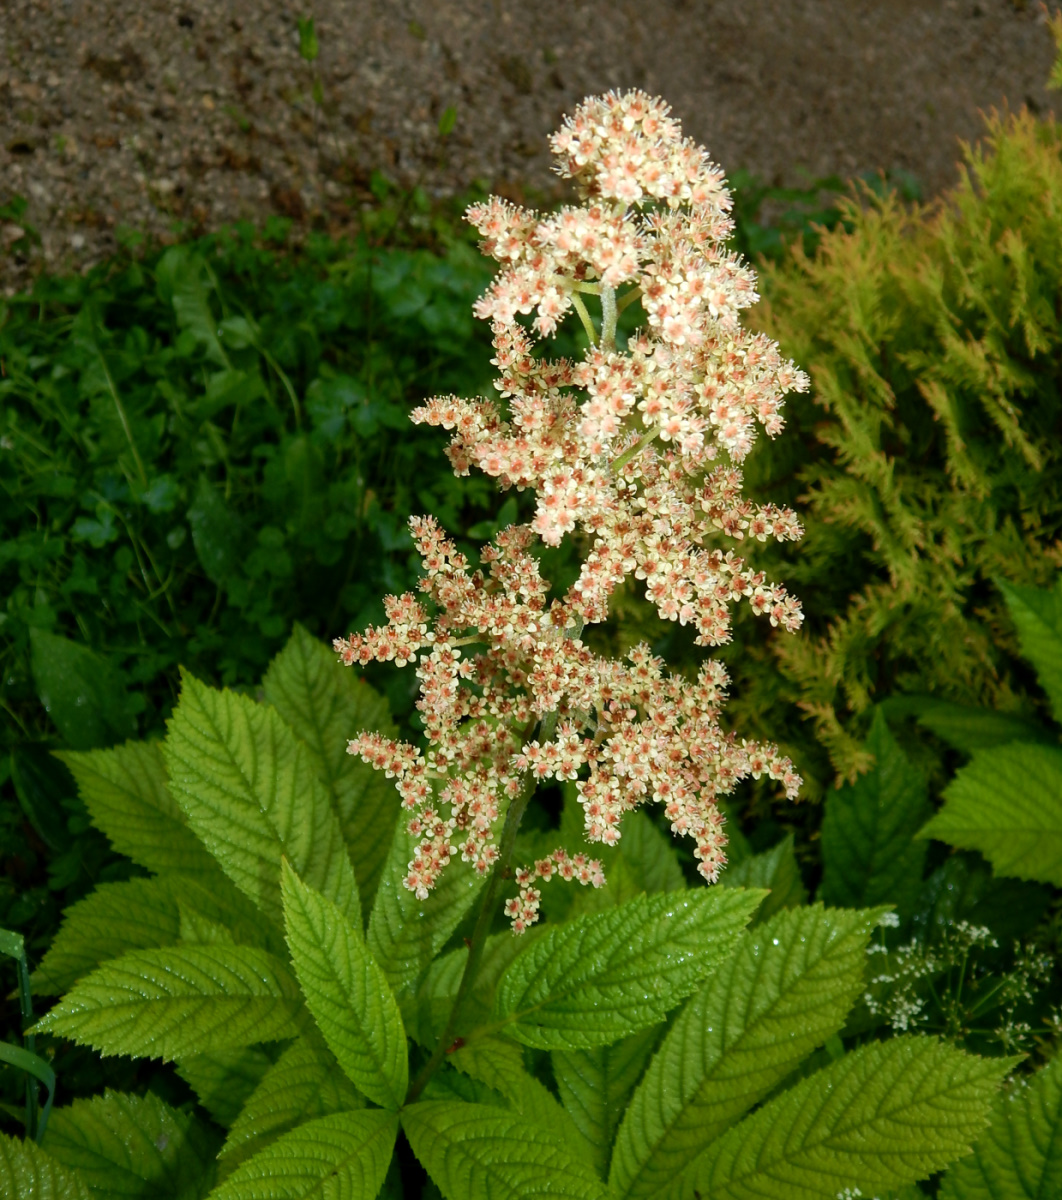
point(635, 451)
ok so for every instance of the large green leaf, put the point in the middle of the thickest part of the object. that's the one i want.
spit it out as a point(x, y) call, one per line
point(117, 917)
point(347, 993)
point(126, 794)
point(475, 1152)
point(28, 1173)
point(303, 1084)
point(224, 1080)
point(1037, 613)
point(134, 1146)
point(644, 860)
point(595, 1086)
point(883, 1116)
point(141, 914)
point(870, 848)
point(1007, 803)
point(450, 1084)
point(499, 1064)
point(966, 728)
point(776, 869)
point(327, 704)
point(426, 1014)
point(785, 990)
point(81, 691)
point(606, 975)
point(340, 1157)
point(405, 933)
point(179, 1000)
point(650, 855)
point(249, 790)
point(1019, 1156)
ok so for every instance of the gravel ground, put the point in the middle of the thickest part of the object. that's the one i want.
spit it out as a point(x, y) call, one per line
point(140, 113)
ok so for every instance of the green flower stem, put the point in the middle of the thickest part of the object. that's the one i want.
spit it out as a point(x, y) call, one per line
point(584, 316)
point(478, 942)
point(630, 297)
point(619, 463)
point(608, 318)
point(483, 922)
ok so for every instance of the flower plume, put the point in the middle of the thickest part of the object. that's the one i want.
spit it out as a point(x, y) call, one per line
point(633, 450)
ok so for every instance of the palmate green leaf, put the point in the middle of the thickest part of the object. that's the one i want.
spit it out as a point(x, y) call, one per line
point(870, 848)
point(347, 993)
point(784, 991)
point(248, 789)
point(1037, 613)
point(303, 1084)
point(197, 930)
point(405, 933)
point(776, 869)
point(499, 1065)
point(141, 914)
point(644, 860)
point(206, 914)
point(650, 855)
point(883, 1116)
point(425, 1014)
point(1007, 803)
point(179, 1000)
point(606, 975)
point(450, 1084)
point(476, 1152)
point(339, 1157)
point(28, 1173)
point(1019, 1156)
point(964, 727)
point(81, 691)
point(134, 1146)
point(326, 704)
point(138, 914)
point(595, 1086)
point(224, 1080)
point(125, 791)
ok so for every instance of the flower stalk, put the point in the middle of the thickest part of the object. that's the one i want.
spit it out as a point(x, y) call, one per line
point(478, 941)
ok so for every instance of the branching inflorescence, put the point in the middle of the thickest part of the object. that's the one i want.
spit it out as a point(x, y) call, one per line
point(636, 451)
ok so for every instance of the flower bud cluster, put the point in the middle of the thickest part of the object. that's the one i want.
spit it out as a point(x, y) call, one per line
point(635, 451)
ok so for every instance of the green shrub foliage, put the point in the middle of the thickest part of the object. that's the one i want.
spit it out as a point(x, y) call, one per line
point(970, 950)
point(1007, 801)
point(928, 460)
